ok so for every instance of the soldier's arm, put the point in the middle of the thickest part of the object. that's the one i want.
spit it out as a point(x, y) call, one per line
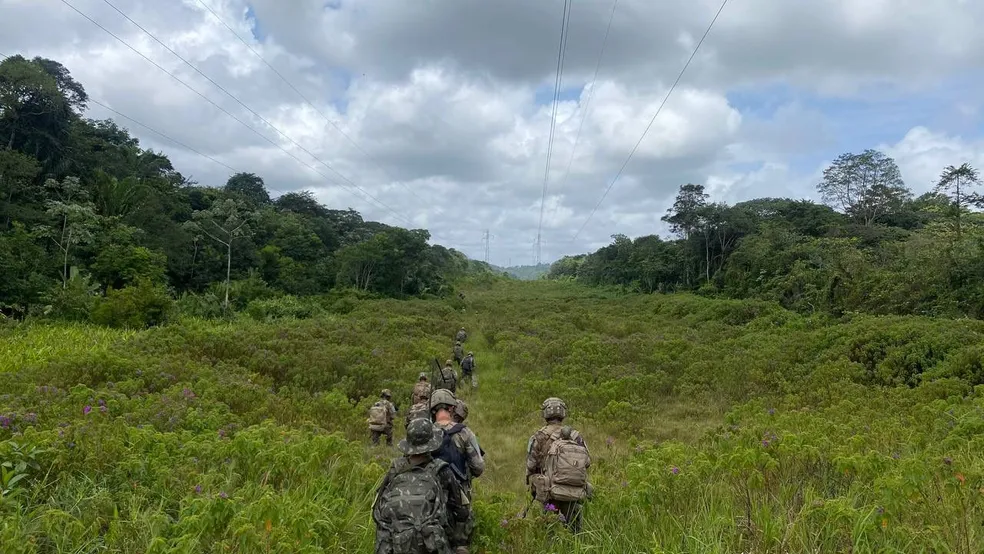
point(476, 462)
point(580, 440)
point(532, 464)
point(457, 509)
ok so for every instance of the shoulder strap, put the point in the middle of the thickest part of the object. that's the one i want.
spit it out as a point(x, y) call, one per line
point(455, 429)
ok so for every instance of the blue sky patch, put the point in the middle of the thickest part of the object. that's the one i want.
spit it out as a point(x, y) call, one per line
point(544, 94)
point(258, 33)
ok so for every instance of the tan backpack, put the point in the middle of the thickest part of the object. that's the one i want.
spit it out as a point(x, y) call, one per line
point(378, 415)
point(566, 470)
point(421, 392)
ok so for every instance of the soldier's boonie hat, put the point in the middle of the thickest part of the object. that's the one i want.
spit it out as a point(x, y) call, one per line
point(470, 353)
point(386, 393)
point(422, 376)
point(422, 438)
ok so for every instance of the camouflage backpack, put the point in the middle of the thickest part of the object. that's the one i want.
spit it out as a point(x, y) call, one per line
point(421, 392)
point(566, 471)
point(446, 379)
point(411, 513)
point(420, 410)
point(378, 415)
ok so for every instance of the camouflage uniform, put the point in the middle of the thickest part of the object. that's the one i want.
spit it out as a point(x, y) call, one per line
point(421, 392)
point(420, 455)
point(375, 432)
point(536, 453)
point(461, 336)
point(447, 378)
point(459, 353)
point(418, 410)
point(468, 370)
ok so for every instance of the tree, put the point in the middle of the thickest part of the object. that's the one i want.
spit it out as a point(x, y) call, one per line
point(958, 183)
point(248, 187)
point(684, 216)
point(865, 186)
point(224, 222)
point(74, 216)
point(17, 174)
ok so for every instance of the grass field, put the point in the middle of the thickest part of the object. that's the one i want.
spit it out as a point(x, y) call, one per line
point(715, 426)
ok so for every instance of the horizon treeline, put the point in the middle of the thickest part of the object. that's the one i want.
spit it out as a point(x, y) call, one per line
point(870, 247)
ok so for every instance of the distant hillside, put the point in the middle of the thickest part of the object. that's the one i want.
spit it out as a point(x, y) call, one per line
point(526, 272)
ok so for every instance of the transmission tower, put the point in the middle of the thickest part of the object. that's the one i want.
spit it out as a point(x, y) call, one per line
point(487, 237)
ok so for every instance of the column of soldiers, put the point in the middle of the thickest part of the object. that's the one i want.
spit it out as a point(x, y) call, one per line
point(424, 504)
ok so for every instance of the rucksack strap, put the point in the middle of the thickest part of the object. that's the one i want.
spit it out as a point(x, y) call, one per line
point(455, 429)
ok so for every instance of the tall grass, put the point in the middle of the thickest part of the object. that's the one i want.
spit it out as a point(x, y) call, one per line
point(714, 426)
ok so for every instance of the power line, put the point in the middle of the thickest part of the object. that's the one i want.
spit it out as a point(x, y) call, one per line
point(558, 80)
point(651, 121)
point(206, 156)
point(250, 110)
point(226, 112)
point(587, 101)
point(153, 130)
point(299, 93)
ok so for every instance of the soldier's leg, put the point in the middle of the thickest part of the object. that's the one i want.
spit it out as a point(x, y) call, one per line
point(474, 380)
point(572, 514)
point(374, 437)
point(389, 435)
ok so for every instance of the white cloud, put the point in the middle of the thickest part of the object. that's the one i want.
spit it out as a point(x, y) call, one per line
point(441, 99)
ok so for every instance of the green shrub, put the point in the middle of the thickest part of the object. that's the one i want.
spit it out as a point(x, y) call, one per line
point(284, 306)
point(134, 307)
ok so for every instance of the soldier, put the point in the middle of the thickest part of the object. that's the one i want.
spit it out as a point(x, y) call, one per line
point(381, 416)
point(459, 353)
point(462, 452)
point(447, 378)
point(468, 370)
point(461, 336)
point(557, 462)
point(421, 390)
point(419, 501)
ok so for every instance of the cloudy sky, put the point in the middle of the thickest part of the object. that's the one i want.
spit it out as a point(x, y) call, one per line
point(440, 110)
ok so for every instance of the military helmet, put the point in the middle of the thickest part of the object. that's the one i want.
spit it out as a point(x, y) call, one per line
point(422, 437)
point(447, 362)
point(443, 397)
point(461, 410)
point(554, 408)
point(457, 343)
point(470, 353)
point(386, 393)
point(422, 376)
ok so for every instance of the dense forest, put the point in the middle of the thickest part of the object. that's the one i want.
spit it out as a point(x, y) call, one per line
point(872, 247)
point(94, 225)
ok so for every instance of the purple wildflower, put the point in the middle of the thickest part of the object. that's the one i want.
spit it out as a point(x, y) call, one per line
point(101, 402)
point(103, 408)
point(31, 417)
point(223, 495)
point(948, 460)
point(562, 518)
point(504, 523)
point(4, 422)
point(765, 443)
point(550, 508)
point(86, 410)
point(772, 411)
point(675, 470)
point(198, 489)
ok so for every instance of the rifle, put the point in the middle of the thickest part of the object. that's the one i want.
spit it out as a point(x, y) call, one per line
point(522, 515)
